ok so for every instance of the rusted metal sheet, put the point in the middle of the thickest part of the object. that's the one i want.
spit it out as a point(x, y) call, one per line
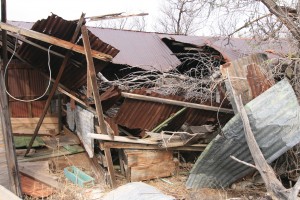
point(25, 83)
point(139, 49)
point(136, 114)
point(274, 120)
point(110, 97)
point(145, 115)
point(257, 80)
point(245, 74)
point(75, 74)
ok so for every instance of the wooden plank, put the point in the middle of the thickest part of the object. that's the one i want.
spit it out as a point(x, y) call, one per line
point(153, 171)
point(35, 120)
point(120, 139)
point(40, 175)
point(32, 126)
point(119, 145)
point(30, 132)
point(48, 154)
point(53, 40)
point(175, 102)
point(147, 157)
point(93, 81)
point(110, 167)
point(6, 131)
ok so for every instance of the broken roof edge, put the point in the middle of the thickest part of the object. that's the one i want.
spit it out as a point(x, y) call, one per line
point(275, 132)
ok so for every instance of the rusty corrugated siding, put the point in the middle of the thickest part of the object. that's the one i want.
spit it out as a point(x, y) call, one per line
point(74, 76)
point(25, 83)
point(145, 115)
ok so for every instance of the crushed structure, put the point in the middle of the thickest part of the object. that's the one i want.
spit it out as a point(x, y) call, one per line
point(137, 97)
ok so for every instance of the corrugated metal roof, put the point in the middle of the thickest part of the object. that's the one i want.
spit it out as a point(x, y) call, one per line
point(274, 118)
point(74, 76)
point(145, 115)
point(146, 50)
point(234, 48)
point(139, 49)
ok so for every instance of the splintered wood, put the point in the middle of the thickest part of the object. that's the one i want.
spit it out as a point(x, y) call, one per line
point(148, 164)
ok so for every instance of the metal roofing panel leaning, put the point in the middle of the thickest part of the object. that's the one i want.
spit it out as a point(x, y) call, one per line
point(274, 119)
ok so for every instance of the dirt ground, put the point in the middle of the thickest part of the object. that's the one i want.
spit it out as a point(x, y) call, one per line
point(174, 186)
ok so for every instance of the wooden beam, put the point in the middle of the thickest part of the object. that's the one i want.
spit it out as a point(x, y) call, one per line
point(110, 167)
point(53, 40)
point(93, 80)
point(175, 102)
point(76, 63)
point(120, 145)
point(55, 85)
point(120, 139)
point(6, 130)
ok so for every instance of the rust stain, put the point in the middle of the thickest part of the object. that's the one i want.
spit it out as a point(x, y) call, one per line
point(75, 73)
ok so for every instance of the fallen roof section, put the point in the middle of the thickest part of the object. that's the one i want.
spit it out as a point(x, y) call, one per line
point(74, 75)
point(234, 48)
point(274, 119)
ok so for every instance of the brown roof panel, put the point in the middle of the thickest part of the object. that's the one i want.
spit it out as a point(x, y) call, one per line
point(146, 115)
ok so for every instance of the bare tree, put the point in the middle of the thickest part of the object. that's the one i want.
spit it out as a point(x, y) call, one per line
point(137, 23)
point(181, 16)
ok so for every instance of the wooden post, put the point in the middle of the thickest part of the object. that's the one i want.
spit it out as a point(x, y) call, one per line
point(93, 80)
point(89, 92)
point(110, 167)
point(4, 34)
point(55, 85)
point(9, 142)
point(5, 117)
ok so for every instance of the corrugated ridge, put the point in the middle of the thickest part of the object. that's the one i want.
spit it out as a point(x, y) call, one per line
point(274, 118)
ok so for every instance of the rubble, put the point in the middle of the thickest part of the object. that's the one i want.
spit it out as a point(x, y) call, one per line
point(134, 117)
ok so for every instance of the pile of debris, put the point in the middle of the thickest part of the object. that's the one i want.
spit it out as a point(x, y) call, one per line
point(137, 117)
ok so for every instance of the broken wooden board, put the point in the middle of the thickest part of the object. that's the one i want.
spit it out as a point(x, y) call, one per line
point(39, 171)
point(148, 164)
point(27, 126)
point(35, 188)
point(40, 166)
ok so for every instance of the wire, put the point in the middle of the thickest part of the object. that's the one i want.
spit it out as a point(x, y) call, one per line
point(49, 83)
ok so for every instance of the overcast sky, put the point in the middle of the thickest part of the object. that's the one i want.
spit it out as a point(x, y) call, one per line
point(33, 10)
